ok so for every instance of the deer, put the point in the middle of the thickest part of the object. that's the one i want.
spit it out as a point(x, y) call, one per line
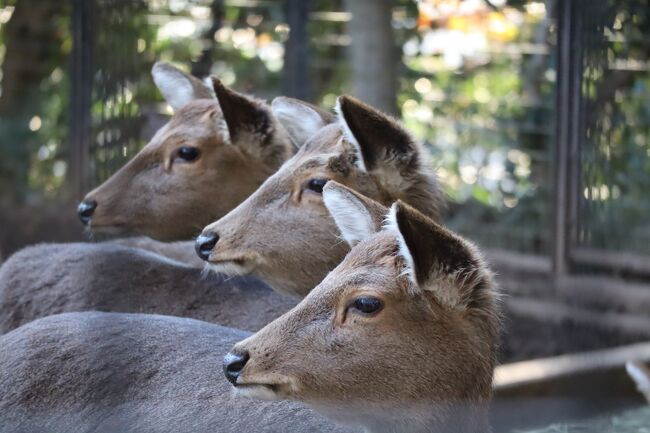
point(99, 372)
point(192, 168)
point(401, 336)
point(394, 167)
point(283, 234)
point(118, 278)
point(217, 148)
point(435, 308)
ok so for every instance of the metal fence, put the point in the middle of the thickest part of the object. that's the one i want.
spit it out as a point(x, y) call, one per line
point(603, 151)
point(114, 104)
point(587, 152)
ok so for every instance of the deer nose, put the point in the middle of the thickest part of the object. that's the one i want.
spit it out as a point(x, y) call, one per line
point(233, 364)
point(205, 243)
point(85, 210)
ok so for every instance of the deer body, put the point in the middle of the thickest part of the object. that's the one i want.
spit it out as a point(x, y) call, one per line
point(178, 251)
point(48, 279)
point(106, 372)
point(401, 337)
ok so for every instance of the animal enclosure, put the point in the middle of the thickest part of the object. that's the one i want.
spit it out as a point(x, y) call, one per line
point(535, 113)
point(536, 151)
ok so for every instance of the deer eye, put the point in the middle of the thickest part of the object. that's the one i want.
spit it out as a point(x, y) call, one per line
point(317, 185)
point(367, 305)
point(187, 153)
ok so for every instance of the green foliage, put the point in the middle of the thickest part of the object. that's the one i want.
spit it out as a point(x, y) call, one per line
point(616, 152)
point(33, 134)
point(489, 121)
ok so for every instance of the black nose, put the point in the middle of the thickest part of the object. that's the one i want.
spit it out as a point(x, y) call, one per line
point(85, 210)
point(204, 244)
point(233, 364)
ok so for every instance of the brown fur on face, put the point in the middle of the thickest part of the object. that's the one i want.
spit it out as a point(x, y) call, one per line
point(160, 195)
point(283, 233)
point(418, 364)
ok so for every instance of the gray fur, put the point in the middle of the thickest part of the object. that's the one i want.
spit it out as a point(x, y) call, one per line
point(181, 251)
point(48, 279)
point(106, 372)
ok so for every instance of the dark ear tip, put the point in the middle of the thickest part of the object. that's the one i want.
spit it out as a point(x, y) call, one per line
point(346, 101)
point(351, 105)
point(401, 209)
point(400, 205)
point(217, 84)
point(404, 212)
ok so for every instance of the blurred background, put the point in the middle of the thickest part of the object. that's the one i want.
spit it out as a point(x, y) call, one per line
point(537, 114)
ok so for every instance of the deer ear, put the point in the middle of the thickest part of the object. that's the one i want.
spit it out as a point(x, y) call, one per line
point(383, 145)
point(435, 259)
point(299, 118)
point(244, 116)
point(177, 87)
point(356, 216)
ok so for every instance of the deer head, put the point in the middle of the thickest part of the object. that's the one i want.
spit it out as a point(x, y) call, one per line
point(283, 233)
point(400, 337)
point(217, 148)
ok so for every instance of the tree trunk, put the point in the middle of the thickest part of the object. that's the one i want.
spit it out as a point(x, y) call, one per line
point(373, 54)
point(32, 39)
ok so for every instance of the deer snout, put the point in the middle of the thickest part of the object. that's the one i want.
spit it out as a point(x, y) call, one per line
point(205, 243)
point(85, 210)
point(233, 364)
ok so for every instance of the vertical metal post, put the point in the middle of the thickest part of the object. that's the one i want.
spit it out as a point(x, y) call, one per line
point(296, 58)
point(80, 96)
point(569, 109)
point(201, 67)
point(577, 125)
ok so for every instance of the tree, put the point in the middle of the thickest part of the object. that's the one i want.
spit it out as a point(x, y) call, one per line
point(372, 53)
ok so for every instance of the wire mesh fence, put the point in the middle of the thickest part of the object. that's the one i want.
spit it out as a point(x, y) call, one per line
point(504, 96)
point(615, 132)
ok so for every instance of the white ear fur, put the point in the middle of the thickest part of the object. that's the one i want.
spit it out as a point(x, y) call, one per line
point(641, 377)
point(349, 136)
point(176, 86)
point(390, 224)
point(300, 121)
point(351, 216)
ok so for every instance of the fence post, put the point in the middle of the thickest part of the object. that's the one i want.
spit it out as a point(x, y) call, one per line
point(296, 57)
point(80, 96)
point(569, 113)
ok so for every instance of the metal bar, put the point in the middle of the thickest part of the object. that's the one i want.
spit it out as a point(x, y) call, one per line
point(81, 95)
point(507, 262)
point(617, 261)
point(570, 126)
point(202, 66)
point(577, 127)
point(563, 134)
point(296, 57)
